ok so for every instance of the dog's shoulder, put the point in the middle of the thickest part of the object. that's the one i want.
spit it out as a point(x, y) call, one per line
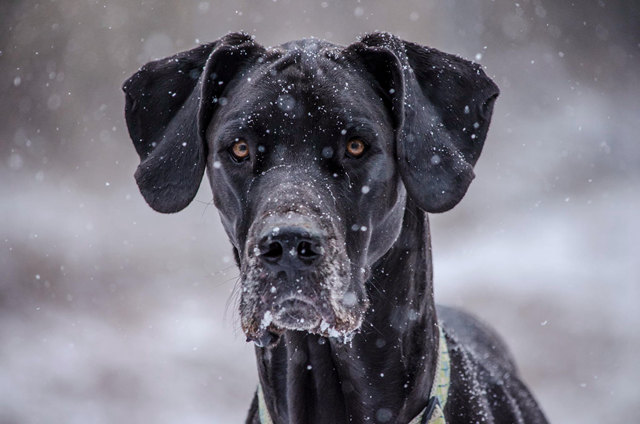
point(485, 385)
point(480, 341)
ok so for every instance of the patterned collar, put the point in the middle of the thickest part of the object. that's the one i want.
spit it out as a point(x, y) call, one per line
point(432, 414)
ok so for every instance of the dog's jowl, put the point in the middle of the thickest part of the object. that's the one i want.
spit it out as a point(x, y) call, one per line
point(324, 161)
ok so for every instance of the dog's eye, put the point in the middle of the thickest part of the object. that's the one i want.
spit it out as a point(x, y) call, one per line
point(240, 150)
point(355, 148)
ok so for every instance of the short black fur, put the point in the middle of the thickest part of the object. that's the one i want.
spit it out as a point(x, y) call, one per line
point(334, 249)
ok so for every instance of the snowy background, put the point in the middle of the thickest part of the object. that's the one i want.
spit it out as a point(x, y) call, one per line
point(110, 312)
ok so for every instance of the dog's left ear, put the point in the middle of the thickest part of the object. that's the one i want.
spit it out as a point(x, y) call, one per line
point(442, 106)
point(169, 103)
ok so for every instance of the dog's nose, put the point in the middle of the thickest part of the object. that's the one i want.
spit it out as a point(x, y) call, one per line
point(291, 247)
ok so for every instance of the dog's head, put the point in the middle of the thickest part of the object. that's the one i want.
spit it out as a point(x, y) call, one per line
point(311, 150)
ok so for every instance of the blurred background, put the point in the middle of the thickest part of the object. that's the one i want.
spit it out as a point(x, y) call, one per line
point(110, 312)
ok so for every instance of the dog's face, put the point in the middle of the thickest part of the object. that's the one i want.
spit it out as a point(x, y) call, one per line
point(311, 151)
point(301, 161)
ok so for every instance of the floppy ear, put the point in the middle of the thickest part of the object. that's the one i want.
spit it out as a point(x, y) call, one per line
point(169, 103)
point(443, 106)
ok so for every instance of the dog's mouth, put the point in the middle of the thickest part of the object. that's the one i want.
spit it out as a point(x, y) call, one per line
point(325, 300)
point(266, 318)
point(296, 313)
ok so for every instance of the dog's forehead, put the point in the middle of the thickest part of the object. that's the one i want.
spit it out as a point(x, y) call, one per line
point(301, 80)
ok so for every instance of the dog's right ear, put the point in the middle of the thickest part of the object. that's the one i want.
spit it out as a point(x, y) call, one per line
point(169, 103)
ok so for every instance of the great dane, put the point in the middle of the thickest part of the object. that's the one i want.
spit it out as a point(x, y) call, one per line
point(324, 161)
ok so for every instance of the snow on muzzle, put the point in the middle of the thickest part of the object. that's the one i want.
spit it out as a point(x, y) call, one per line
point(296, 275)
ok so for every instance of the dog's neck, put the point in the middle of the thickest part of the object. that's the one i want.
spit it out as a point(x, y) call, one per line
point(385, 373)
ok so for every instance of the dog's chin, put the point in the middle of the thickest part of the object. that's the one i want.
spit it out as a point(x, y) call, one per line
point(296, 314)
point(270, 336)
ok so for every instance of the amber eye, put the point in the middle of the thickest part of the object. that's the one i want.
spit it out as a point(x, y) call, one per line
point(240, 150)
point(355, 147)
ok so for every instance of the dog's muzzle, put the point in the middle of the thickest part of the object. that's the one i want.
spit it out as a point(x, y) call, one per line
point(295, 276)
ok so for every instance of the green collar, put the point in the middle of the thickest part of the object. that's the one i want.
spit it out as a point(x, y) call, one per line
point(432, 414)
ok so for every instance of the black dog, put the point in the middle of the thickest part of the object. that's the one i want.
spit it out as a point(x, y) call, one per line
point(323, 160)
